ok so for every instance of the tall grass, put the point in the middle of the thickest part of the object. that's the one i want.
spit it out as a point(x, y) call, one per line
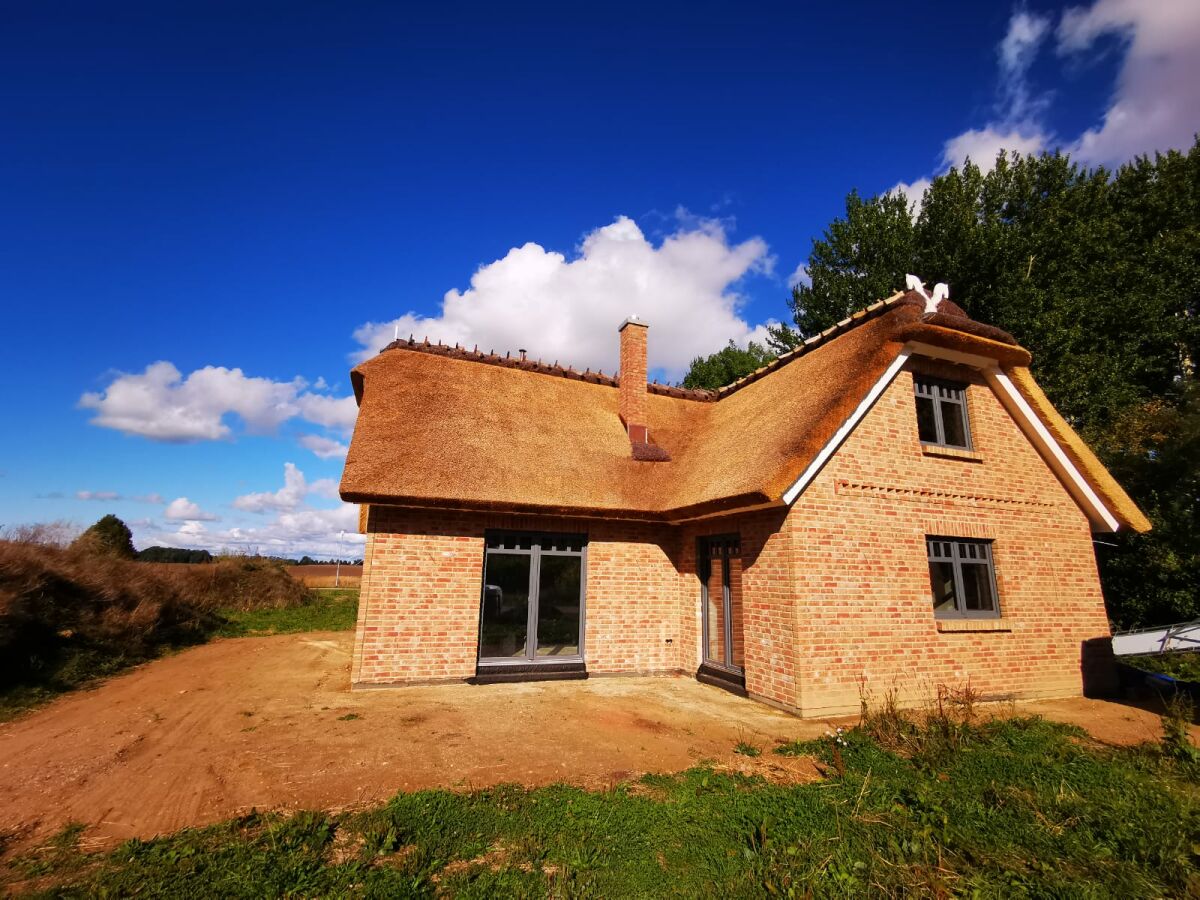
point(68, 616)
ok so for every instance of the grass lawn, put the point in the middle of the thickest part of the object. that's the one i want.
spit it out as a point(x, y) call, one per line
point(1020, 807)
point(333, 609)
point(1183, 665)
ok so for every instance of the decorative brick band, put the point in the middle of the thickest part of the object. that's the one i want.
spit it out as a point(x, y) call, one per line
point(921, 494)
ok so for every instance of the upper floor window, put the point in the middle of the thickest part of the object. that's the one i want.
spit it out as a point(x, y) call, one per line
point(942, 412)
point(962, 578)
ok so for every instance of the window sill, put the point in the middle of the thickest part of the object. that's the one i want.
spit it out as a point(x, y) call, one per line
point(953, 625)
point(952, 453)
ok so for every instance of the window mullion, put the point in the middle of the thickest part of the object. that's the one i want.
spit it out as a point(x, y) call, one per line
point(937, 418)
point(960, 593)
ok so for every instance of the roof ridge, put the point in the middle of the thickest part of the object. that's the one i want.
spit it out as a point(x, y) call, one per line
point(853, 320)
point(702, 395)
point(508, 361)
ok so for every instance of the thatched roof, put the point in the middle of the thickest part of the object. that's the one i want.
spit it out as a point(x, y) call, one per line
point(456, 428)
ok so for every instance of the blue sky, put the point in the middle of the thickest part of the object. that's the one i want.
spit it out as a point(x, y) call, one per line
point(211, 210)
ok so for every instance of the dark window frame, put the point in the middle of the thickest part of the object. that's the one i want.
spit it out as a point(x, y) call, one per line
point(939, 391)
point(534, 544)
point(957, 558)
point(718, 549)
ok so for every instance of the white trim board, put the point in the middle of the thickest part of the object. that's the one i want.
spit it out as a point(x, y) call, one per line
point(1035, 429)
point(848, 426)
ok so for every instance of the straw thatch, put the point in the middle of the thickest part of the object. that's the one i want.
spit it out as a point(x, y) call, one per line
point(456, 428)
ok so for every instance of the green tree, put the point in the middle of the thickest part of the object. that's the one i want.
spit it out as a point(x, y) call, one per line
point(1097, 274)
point(858, 257)
point(109, 536)
point(726, 366)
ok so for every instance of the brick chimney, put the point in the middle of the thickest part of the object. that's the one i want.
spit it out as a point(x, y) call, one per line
point(633, 378)
point(632, 404)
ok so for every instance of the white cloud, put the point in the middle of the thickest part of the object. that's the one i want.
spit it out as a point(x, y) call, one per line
point(1015, 127)
point(323, 447)
point(800, 276)
point(183, 509)
point(568, 309)
point(162, 405)
point(289, 497)
point(110, 496)
point(1156, 105)
point(1017, 51)
point(981, 145)
point(332, 412)
point(304, 531)
point(106, 496)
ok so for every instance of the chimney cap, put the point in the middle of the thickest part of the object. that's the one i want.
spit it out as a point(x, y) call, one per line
point(633, 320)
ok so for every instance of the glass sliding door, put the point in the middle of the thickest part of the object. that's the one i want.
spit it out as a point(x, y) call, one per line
point(533, 589)
point(720, 570)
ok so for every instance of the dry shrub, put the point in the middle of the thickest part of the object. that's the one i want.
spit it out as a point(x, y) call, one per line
point(62, 606)
point(943, 726)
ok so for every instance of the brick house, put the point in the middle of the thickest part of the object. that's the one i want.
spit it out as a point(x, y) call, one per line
point(894, 505)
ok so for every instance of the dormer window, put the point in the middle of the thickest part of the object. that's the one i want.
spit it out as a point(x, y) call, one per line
point(942, 412)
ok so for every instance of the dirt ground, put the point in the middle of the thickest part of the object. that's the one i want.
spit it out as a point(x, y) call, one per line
point(270, 723)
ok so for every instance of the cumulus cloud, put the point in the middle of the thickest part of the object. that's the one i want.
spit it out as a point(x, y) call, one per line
point(289, 497)
point(1156, 105)
point(183, 509)
point(568, 309)
point(323, 447)
point(297, 527)
point(316, 532)
point(161, 404)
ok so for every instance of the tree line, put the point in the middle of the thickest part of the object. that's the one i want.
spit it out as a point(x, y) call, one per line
point(1097, 273)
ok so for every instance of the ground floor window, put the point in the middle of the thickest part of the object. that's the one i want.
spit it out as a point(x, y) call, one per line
point(962, 578)
point(533, 588)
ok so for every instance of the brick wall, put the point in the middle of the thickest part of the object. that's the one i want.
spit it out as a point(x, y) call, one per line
point(834, 594)
point(864, 614)
point(423, 571)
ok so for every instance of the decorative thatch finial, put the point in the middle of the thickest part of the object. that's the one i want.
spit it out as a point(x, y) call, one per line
point(941, 291)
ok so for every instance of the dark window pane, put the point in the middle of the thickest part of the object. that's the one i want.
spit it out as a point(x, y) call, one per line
point(941, 578)
point(716, 611)
point(977, 588)
point(559, 587)
point(926, 422)
point(953, 424)
point(737, 644)
point(505, 614)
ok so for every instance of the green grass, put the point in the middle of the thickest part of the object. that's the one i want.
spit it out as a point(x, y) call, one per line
point(332, 610)
point(1183, 665)
point(1010, 808)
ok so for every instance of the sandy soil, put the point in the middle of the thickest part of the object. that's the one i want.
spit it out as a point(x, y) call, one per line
point(271, 723)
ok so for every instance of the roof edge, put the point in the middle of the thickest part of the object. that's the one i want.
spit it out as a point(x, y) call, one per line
point(1089, 465)
point(722, 506)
